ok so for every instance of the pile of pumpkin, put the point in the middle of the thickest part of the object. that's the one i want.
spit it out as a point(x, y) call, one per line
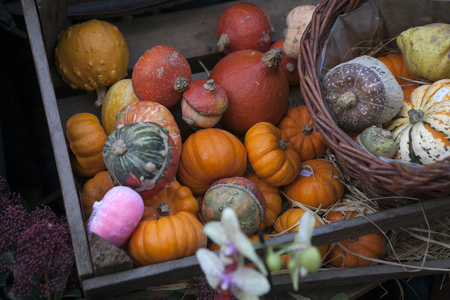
point(249, 148)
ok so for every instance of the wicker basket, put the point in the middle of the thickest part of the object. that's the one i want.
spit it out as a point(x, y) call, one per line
point(376, 177)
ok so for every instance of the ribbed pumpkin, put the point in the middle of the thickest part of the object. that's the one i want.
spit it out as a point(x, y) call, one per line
point(271, 155)
point(298, 127)
point(210, 154)
point(421, 128)
point(396, 64)
point(317, 185)
point(272, 198)
point(141, 156)
point(169, 202)
point(149, 111)
point(169, 238)
point(86, 138)
point(94, 190)
point(371, 245)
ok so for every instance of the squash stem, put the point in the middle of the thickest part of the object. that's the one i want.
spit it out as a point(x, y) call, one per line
point(101, 93)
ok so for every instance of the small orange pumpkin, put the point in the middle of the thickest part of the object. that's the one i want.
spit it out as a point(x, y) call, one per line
point(94, 190)
point(298, 128)
point(271, 155)
point(210, 154)
point(169, 202)
point(370, 245)
point(317, 185)
point(396, 64)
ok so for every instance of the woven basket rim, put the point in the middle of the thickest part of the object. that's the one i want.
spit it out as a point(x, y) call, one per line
point(378, 178)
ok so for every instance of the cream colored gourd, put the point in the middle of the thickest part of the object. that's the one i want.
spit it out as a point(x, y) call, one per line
point(422, 127)
point(361, 93)
point(296, 22)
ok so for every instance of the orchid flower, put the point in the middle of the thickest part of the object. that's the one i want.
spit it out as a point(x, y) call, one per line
point(229, 236)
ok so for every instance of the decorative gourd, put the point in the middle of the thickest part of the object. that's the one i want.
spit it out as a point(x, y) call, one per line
point(371, 245)
point(92, 55)
point(203, 103)
point(396, 64)
point(272, 198)
point(119, 95)
point(161, 74)
point(378, 142)
point(169, 202)
point(425, 49)
point(165, 239)
point(317, 185)
point(421, 128)
point(240, 194)
point(298, 127)
point(244, 26)
point(94, 190)
point(116, 216)
point(208, 155)
point(141, 156)
point(149, 111)
point(86, 139)
point(271, 155)
point(257, 88)
point(361, 93)
point(288, 65)
point(296, 22)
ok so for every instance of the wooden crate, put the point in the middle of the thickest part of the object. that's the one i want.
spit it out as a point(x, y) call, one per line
point(192, 32)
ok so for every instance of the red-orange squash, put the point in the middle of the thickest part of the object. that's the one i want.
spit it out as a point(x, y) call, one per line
point(298, 127)
point(288, 65)
point(317, 185)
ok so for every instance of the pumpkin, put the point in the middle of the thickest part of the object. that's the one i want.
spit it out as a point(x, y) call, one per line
point(208, 155)
point(169, 202)
point(161, 74)
point(396, 64)
point(361, 93)
point(92, 55)
point(94, 190)
point(298, 127)
point(86, 139)
point(240, 194)
point(272, 198)
point(165, 239)
point(288, 65)
point(149, 111)
point(377, 141)
point(203, 103)
point(317, 185)
point(271, 155)
point(141, 156)
point(425, 49)
point(257, 88)
point(370, 245)
point(244, 26)
point(421, 128)
point(119, 95)
point(296, 22)
point(289, 221)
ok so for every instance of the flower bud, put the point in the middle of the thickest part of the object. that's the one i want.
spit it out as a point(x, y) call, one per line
point(274, 261)
point(310, 259)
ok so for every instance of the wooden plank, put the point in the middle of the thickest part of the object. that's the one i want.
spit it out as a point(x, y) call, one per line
point(70, 195)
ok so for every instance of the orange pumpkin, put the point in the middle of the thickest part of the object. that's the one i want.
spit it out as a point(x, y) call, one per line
point(370, 245)
point(272, 197)
point(271, 155)
point(87, 138)
point(165, 239)
point(94, 190)
point(210, 154)
point(396, 64)
point(169, 202)
point(298, 128)
point(317, 185)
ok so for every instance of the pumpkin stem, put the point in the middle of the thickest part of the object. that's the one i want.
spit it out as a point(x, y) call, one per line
point(273, 57)
point(119, 147)
point(290, 67)
point(224, 41)
point(307, 129)
point(415, 115)
point(101, 93)
point(283, 144)
point(347, 100)
point(163, 209)
point(181, 84)
point(209, 85)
